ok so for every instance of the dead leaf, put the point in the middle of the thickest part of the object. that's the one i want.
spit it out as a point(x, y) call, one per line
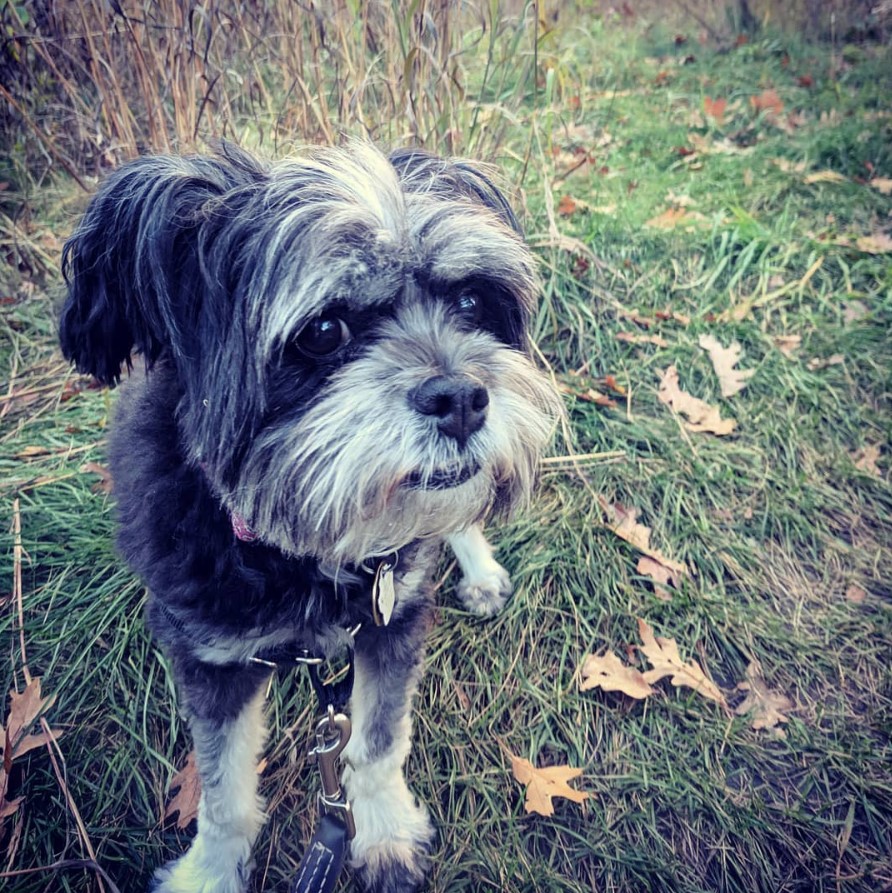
point(633, 338)
point(715, 109)
point(816, 363)
point(769, 102)
point(25, 708)
point(724, 359)
point(567, 205)
point(665, 659)
point(187, 784)
point(104, 484)
point(853, 311)
point(545, 784)
point(768, 708)
point(882, 184)
point(787, 344)
point(676, 217)
point(660, 574)
point(865, 459)
point(825, 177)
point(701, 415)
point(856, 594)
point(609, 673)
point(622, 521)
point(875, 243)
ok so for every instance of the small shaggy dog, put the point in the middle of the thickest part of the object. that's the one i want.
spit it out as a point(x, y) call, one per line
point(336, 382)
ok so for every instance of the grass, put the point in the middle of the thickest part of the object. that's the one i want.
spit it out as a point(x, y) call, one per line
point(788, 538)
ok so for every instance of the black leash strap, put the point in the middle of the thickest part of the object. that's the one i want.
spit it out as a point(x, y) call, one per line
point(324, 858)
point(322, 862)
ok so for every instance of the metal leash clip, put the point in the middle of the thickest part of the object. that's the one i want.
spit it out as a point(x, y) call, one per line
point(332, 735)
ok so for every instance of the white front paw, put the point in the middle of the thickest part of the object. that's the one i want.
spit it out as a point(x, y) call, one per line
point(222, 867)
point(486, 592)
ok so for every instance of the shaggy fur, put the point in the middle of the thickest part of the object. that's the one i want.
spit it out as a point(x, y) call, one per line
point(334, 361)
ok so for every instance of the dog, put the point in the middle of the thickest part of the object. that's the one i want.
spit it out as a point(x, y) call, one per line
point(333, 367)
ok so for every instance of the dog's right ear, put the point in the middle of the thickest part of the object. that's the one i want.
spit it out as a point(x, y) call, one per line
point(132, 266)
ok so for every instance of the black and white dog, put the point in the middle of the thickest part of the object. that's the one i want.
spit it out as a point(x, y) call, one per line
point(335, 372)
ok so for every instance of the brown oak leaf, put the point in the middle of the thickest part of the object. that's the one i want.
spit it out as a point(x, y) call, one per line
point(609, 673)
point(545, 784)
point(187, 784)
point(724, 359)
point(665, 659)
point(701, 415)
point(768, 708)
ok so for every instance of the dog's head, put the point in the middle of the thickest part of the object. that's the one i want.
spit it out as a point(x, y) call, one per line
point(347, 334)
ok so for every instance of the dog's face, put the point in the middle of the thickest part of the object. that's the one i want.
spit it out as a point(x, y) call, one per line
point(347, 332)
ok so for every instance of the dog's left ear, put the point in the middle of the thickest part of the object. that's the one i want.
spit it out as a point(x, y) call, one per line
point(133, 265)
point(423, 169)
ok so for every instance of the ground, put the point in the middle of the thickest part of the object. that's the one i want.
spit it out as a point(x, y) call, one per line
point(672, 190)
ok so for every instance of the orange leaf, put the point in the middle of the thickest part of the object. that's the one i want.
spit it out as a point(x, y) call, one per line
point(769, 102)
point(567, 205)
point(715, 108)
point(545, 784)
point(187, 784)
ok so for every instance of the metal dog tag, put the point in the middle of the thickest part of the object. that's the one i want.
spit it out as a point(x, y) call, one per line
point(383, 594)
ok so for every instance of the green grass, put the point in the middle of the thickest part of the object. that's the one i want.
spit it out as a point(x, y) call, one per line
point(775, 520)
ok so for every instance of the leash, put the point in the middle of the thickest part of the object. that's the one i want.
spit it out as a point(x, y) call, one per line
point(324, 857)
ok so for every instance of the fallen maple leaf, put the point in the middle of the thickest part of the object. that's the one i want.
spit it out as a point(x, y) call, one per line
point(609, 673)
point(187, 784)
point(701, 415)
point(666, 661)
point(545, 784)
point(724, 359)
point(768, 708)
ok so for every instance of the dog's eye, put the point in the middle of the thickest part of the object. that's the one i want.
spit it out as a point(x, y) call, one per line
point(322, 337)
point(469, 306)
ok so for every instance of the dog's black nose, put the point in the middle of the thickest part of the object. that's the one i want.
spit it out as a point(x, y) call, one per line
point(457, 401)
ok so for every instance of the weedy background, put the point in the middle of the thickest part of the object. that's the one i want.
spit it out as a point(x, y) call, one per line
point(682, 169)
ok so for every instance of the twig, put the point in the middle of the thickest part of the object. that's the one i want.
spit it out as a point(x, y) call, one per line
point(64, 864)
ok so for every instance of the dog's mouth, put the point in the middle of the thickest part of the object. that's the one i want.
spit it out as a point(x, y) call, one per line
point(441, 478)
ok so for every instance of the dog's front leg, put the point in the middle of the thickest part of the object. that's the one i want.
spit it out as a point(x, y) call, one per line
point(225, 709)
point(393, 831)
